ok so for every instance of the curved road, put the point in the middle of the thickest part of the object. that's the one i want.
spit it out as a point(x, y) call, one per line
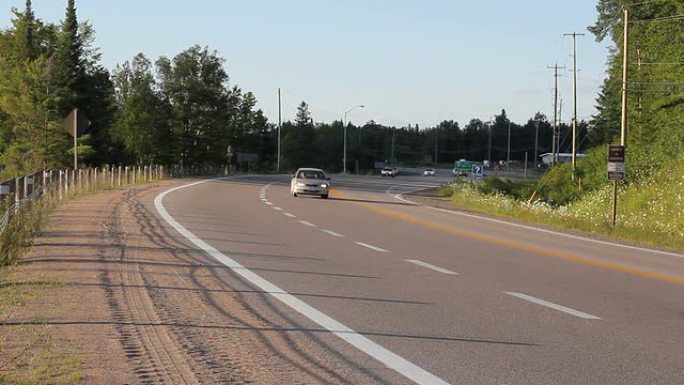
point(385, 291)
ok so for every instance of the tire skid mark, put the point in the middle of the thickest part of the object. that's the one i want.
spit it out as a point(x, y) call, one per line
point(177, 354)
point(281, 344)
point(279, 347)
point(130, 337)
point(218, 368)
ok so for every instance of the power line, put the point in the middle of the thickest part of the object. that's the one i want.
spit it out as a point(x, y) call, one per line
point(663, 18)
point(660, 63)
point(660, 83)
point(641, 3)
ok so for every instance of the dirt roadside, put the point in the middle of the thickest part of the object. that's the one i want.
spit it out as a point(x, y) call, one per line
point(135, 306)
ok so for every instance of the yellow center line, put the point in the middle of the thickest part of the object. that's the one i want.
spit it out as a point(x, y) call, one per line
point(517, 245)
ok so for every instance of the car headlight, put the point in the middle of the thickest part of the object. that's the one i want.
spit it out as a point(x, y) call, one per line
point(324, 185)
point(300, 184)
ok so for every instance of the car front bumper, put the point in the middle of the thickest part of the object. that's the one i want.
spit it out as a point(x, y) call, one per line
point(311, 190)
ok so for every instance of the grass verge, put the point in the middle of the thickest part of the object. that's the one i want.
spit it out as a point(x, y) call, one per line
point(29, 355)
point(591, 215)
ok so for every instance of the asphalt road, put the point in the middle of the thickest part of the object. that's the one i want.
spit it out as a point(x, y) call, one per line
point(390, 292)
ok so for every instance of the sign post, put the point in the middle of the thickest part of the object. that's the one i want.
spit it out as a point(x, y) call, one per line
point(75, 124)
point(75, 134)
point(616, 171)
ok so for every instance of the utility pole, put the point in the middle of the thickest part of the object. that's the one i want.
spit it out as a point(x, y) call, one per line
point(574, 95)
point(536, 143)
point(435, 162)
point(623, 120)
point(279, 127)
point(555, 133)
point(560, 126)
point(623, 125)
point(508, 156)
point(392, 151)
point(489, 152)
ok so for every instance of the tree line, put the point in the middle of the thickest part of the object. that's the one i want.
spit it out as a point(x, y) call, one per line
point(184, 111)
point(655, 73)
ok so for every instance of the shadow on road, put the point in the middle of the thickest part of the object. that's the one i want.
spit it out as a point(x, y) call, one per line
point(271, 329)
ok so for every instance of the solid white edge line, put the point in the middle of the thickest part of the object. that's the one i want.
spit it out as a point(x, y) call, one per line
point(371, 247)
point(385, 356)
point(431, 266)
point(290, 215)
point(499, 221)
point(552, 305)
point(334, 234)
point(399, 196)
point(307, 223)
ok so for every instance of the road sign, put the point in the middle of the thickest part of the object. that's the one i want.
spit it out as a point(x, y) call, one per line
point(80, 121)
point(244, 157)
point(616, 153)
point(477, 171)
point(616, 162)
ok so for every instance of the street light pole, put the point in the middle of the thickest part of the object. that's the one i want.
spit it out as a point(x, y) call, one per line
point(344, 124)
point(279, 128)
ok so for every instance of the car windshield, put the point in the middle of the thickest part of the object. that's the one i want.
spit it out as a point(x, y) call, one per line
point(309, 174)
point(387, 169)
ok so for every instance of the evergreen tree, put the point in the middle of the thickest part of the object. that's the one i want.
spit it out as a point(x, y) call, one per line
point(303, 117)
point(67, 71)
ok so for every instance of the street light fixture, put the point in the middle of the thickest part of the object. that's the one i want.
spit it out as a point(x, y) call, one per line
point(344, 123)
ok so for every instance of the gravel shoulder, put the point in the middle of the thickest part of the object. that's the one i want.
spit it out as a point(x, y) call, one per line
point(136, 306)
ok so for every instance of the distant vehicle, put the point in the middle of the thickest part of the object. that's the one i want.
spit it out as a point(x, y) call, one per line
point(388, 171)
point(429, 172)
point(310, 181)
point(463, 167)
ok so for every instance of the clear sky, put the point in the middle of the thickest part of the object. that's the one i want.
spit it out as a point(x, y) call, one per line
point(407, 61)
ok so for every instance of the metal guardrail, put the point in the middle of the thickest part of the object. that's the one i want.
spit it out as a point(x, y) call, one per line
point(60, 184)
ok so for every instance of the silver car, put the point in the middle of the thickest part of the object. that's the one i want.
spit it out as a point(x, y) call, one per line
point(310, 181)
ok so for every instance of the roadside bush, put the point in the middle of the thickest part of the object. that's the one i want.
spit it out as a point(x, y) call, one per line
point(21, 228)
point(506, 186)
point(558, 187)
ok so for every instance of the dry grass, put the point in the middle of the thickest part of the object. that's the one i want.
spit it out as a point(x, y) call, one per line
point(28, 353)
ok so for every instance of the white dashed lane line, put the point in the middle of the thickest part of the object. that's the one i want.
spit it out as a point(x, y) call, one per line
point(431, 267)
point(277, 208)
point(552, 305)
point(371, 247)
point(290, 215)
point(306, 223)
point(334, 234)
